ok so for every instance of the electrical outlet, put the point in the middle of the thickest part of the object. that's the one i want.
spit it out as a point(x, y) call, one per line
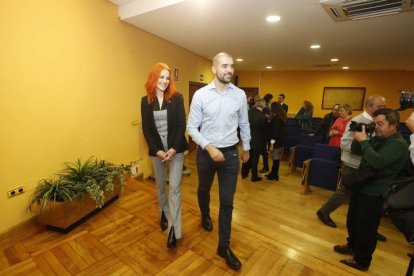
point(16, 191)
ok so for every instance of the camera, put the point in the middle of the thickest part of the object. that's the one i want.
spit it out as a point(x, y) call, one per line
point(406, 100)
point(369, 128)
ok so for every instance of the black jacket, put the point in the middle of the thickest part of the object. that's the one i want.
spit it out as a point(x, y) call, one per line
point(325, 125)
point(258, 127)
point(277, 131)
point(176, 125)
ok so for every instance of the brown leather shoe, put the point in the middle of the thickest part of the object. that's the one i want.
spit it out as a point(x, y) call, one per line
point(343, 249)
point(354, 264)
point(326, 219)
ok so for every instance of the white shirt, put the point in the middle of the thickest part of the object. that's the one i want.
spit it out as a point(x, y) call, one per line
point(214, 117)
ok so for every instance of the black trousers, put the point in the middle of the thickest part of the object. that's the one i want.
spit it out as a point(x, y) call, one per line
point(252, 163)
point(227, 180)
point(363, 219)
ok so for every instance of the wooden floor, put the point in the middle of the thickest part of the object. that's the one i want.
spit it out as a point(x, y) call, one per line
point(275, 232)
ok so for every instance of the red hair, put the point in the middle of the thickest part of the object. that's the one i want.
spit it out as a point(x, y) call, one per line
point(152, 80)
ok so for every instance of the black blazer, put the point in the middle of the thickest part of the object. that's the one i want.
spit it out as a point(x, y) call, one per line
point(176, 125)
point(277, 131)
point(258, 128)
point(285, 107)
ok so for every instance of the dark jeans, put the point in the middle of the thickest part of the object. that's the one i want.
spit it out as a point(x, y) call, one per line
point(227, 180)
point(364, 215)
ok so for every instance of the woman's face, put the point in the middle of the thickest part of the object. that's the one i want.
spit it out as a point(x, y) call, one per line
point(343, 113)
point(163, 80)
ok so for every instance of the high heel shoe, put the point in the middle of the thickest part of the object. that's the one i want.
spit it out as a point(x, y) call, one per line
point(163, 222)
point(171, 241)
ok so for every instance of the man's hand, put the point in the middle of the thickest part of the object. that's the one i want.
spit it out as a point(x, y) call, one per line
point(410, 122)
point(360, 136)
point(215, 153)
point(245, 156)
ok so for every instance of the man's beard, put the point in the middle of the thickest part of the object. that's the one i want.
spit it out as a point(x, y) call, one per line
point(223, 80)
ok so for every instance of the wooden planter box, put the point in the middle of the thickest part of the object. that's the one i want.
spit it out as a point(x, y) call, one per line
point(65, 216)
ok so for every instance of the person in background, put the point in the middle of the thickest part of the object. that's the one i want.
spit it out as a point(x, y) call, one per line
point(410, 124)
point(281, 101)
point(386, 153)
point(350, 162)
point(163, 125)
point(216, 111)
point(258, 128)
point(338, 128)
point(268, 99)
point(326, 124)
point(277, 135)
point(304, 117)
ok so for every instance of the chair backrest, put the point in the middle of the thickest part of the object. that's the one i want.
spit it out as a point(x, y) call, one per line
point(292, 130)
point(327, 152)
point(306, 140)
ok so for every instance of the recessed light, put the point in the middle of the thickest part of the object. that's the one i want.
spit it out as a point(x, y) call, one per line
point(269, 67)
point(273, 18)
point(239, 59)
point(315, 46)
point(334, 59)
point(345, 67)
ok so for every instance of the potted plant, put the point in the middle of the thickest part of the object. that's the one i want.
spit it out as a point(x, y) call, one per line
point(77, 192)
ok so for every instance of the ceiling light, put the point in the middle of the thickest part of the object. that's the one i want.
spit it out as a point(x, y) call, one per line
point(239, 59)
point(315, 46)
point(269, 67)
point(345, 67)
point(273, 18)
point(334, 59)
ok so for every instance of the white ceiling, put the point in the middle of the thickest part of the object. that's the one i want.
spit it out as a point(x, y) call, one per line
point(238, 27)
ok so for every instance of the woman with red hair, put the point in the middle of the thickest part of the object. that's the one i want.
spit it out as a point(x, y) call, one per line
point(163, 125)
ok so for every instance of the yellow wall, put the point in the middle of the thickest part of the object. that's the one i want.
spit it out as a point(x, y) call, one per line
point(71, 79)
point(300, 86)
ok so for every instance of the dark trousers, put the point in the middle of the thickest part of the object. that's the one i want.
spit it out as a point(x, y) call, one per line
point(265, 159)
point(363, 219)
point(227, 180)
point(252, 164)
point(341, 196)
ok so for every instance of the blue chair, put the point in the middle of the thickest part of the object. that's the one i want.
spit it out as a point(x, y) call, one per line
point(303, 151)
point(323, 170)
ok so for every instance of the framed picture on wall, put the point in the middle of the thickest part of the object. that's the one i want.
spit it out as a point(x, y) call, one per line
point(354, 96)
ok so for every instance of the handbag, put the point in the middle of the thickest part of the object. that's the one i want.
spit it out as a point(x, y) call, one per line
point(355, 180)
point(400, 206)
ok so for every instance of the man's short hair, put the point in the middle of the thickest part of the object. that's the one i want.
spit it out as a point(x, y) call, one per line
point(391, 116)
point(371, 99)
point(282, 95)
point(218, 56)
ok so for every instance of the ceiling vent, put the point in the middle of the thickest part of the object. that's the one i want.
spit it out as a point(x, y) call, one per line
point(344, 10)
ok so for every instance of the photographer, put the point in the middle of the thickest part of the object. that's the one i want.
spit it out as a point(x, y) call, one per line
point(410, 124)
point(384, 155)
point(350, 162)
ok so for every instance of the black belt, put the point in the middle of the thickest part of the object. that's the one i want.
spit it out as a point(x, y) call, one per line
point(234, 147)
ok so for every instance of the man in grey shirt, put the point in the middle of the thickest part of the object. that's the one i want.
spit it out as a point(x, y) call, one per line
point(216, 111)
